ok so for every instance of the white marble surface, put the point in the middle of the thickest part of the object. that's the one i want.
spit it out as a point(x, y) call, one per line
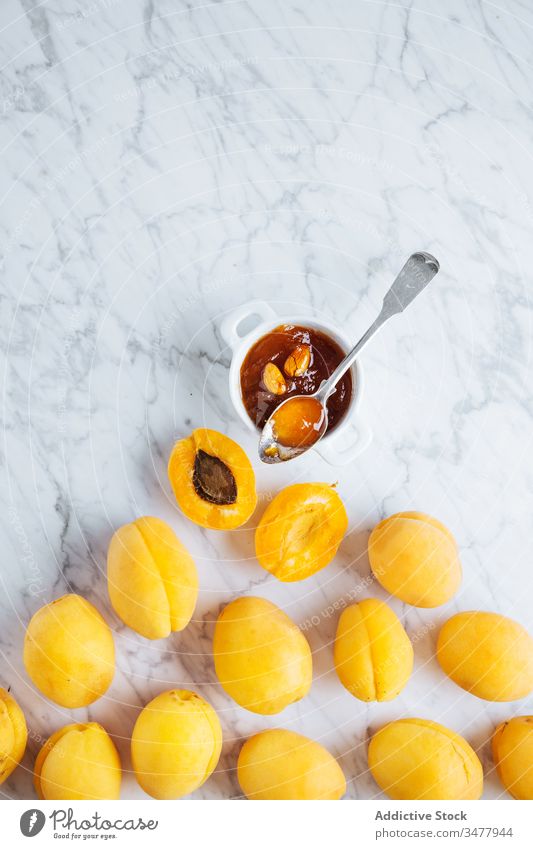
point(163, 162)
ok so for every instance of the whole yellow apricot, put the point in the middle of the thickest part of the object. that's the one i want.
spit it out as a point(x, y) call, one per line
point(176, 744)
point(262, 659)
point(280, 764)
point(69, 652)
point(13, 734)
point(488, 655)
point(420, 759)
point(415, 558)
point(512, 750)
point(78, 761)
point(300, 531)
point(373, 654)
point(151, 577)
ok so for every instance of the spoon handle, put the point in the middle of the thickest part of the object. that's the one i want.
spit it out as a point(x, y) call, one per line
point(415, 275)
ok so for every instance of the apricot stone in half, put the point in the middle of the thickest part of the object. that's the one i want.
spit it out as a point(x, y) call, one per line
point(280, 764)
point(78, 761)
point(262, 659)
point(13, 734)
point(300, 531)
point(69, 652)
point(213, 480)
point(512, 750)
point(373, 654)
point(151, 577)
point(420, 759)
point(488, 655)
point(176, 744)
point(414, 557)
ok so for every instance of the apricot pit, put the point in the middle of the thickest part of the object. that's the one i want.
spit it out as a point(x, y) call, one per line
point(212, 479)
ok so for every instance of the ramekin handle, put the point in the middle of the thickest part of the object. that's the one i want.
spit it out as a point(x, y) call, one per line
point(229, 326)
point(361, 435)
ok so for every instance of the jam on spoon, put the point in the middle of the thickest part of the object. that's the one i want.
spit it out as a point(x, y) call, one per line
point(299, 422)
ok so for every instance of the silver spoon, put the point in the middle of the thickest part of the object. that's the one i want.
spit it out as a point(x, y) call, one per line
point(417, 272)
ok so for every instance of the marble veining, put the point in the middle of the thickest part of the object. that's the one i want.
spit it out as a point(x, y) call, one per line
point(163, 163)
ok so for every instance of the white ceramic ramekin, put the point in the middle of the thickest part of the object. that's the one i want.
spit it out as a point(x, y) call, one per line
point(352, 435)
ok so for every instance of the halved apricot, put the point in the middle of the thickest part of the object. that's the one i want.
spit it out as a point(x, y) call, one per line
point(300, 531)
point(213, 480)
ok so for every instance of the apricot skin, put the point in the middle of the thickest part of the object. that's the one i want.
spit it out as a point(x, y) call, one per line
point(373, 654)
point(181, 472)
point(280, 764)
point(13, 734)
point(262, 659)
point(420, 759)
point(415, 558)
point(300, 531)
point(512, 750)
point(79, 761)
point(176, 744)
point(489, 655)
point(69, 652)
point(152, 579)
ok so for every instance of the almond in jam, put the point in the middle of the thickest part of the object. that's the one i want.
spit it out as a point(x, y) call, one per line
point(292, 360)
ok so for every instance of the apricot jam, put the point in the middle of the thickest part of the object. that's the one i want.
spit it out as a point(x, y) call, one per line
point(303, 357)
point(298, 423)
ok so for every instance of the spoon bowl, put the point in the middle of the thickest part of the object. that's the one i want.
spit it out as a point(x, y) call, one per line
point(296, 425)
